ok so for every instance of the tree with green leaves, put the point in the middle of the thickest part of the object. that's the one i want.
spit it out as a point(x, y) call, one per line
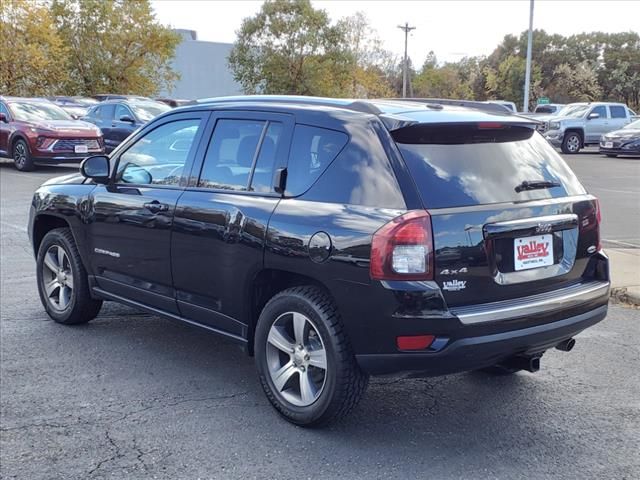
point(289, 47)
point(115, 46)
point(33, 56)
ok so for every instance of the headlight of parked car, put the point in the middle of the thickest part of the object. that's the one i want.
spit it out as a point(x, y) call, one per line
point(554, 125)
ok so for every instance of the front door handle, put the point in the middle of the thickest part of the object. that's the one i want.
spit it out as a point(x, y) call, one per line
point(156, 206)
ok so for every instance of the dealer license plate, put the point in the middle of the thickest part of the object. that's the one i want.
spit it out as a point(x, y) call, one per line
point(533, 252)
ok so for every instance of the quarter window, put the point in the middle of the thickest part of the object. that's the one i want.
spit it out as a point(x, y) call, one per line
point(230, 155)
point(617, 111)
point(159, 157)
point(312, 150)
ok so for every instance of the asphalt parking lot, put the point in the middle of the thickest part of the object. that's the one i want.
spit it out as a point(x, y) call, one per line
point(132, 395)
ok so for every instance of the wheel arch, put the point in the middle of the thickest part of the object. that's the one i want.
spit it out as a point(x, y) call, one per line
point(267, 283)
point(17, 135)
point(577, 130)
point(43, 224)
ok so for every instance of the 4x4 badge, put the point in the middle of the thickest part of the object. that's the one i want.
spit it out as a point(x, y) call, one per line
point(454, 285)
point(453, 271)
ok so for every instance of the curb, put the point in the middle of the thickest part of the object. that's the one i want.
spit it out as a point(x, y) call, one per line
point(629, 296)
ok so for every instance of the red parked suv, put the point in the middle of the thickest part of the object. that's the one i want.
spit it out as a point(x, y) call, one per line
point(37, 131)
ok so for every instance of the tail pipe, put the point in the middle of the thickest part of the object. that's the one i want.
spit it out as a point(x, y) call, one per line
point(530, 363)
point(566, 345)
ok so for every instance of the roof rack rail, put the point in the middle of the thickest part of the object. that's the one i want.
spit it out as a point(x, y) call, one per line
point(477, 105)
point(356, 105)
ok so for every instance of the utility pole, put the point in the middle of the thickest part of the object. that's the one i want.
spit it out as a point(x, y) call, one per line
point(406, 28)
point(527, 75)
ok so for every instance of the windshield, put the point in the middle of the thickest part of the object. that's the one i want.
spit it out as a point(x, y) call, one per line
point(633, 125)
point(34, 112)
point(575, 111)
point(147, 111)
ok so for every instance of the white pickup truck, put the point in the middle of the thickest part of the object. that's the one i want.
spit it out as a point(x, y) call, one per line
point(578, 125)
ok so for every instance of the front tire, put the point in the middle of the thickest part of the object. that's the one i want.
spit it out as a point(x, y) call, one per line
point(572, 143)
point(304, 359)
point(62, 280)
point(22, 156)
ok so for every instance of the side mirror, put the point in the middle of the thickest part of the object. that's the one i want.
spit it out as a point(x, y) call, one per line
point(593, 115)
point(96, 168)
point(136, 174)
point(127, 118)
point(3, 118)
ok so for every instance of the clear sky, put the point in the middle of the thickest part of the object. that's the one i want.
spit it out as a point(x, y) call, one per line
point(452, 29)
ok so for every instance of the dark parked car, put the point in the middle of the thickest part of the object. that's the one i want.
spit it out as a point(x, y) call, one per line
point(36, 131)
point(625, 141)
point(333, 239)
point(77, 107)
point(119, 118)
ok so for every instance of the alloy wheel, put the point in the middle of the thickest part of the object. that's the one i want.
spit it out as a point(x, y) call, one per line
point(19, 154)
point(573, 143)
point(296, 359)
point(57, 277)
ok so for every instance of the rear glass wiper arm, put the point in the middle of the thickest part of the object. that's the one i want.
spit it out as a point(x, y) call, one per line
point(536, 185)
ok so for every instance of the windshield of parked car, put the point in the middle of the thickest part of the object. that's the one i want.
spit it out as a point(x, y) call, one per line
point(33, 112)
point(575, 111)
point(148, 110)
point(633, 125)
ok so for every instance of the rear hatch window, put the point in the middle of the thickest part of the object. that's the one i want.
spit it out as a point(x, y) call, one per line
point(471, 164)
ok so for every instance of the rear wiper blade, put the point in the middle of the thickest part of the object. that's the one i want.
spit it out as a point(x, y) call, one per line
point(536, 185)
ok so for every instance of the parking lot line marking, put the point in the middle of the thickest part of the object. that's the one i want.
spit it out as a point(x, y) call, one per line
point(15, 227)
point(618, 242)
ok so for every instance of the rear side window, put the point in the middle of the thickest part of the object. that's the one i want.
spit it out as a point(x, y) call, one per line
point(617, 111)
point(312, 150)
point(457, 166)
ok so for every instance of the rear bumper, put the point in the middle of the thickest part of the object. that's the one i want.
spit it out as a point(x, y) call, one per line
point(472, 353)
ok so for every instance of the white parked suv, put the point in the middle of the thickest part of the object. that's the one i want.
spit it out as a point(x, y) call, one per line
point(578, 125)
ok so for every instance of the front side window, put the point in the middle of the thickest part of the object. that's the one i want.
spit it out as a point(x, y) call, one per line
point(122, 111)
point(4, 110)
point(618, 111)
point(159, 157)
point(600, 110)
point(230, 155)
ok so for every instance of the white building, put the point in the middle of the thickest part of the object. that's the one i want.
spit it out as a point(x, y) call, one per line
point(203, 69)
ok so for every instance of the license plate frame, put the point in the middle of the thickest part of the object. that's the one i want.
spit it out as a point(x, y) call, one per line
point(535, 251)
point(81, 149)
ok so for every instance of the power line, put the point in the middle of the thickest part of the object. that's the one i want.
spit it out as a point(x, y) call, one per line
point(406, 28)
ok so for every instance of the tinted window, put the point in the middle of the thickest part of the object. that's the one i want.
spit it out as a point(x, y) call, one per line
point(600, 110)
point(159, 157)
point(482, 170)
point(312, 150)
point(230, 154)
point(122, 111)
point(618, 111)
point(262, 180)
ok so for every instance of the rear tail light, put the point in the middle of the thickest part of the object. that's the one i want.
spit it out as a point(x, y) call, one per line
point(598, 222)
point(403, 248)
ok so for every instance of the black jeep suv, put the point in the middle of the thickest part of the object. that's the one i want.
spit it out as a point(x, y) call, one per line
point(333, 239)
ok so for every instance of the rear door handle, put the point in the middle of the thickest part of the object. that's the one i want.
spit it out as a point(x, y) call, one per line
point(156, 206)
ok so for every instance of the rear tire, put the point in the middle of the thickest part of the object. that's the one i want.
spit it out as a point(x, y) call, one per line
point(22, 156)
point(572, 143)
point(305, 362)
point(62, 280)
